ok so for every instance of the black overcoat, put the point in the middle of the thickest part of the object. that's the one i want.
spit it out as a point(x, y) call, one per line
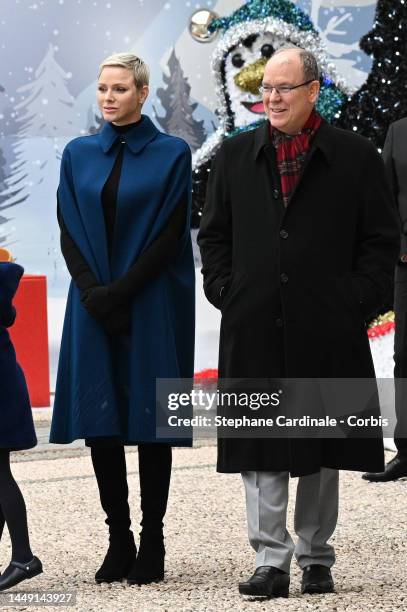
point(395, 161)
point(298, 282)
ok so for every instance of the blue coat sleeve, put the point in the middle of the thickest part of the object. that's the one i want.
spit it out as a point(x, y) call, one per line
point(8, 316)
point(10, 275)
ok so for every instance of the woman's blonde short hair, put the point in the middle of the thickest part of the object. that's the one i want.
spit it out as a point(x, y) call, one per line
point(131, 62)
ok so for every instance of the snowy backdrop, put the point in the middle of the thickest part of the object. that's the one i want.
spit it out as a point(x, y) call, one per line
point(50, 51)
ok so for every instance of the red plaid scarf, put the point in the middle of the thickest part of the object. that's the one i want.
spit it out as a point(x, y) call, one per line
point(291, 153)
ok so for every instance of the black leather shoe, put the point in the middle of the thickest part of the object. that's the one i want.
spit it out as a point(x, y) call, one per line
point(149, 565)
point(396, 468)
point(119, 558)
point(267, 581)
point(317, 579)
point(17, 572)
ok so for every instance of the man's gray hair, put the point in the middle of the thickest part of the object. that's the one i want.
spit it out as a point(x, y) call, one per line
point(308, 60)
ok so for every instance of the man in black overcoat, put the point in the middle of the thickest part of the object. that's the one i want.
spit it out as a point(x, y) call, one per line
point(299, 240)
point(395, 160)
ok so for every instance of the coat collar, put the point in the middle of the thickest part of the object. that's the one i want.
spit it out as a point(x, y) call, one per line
point(136, 138)
point(322, 139)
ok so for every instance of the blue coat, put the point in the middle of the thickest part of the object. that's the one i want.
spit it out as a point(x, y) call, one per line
point(16, 422)
point(155, 177)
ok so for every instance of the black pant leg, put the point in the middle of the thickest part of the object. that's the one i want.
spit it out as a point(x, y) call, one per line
point(400, 358)
point(155, 462)
point(109, 464)
point(13, 512)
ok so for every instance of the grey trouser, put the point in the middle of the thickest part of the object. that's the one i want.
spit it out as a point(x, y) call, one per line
point(316, 513)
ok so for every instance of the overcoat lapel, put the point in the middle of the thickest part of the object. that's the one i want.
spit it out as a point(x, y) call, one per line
point(94, 216)
point(320, 145)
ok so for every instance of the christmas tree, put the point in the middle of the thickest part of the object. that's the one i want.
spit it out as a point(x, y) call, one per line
point(175, 99)
point(9, 127)
point(45, 120)
point(8, 124)
point(383, 97)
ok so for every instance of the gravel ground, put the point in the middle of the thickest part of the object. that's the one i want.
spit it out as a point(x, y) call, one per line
point(207, 547)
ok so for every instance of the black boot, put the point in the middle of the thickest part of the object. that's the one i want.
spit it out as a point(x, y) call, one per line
point(110, 469)
point(149, 565)
point(120, 557)
point(155, 472)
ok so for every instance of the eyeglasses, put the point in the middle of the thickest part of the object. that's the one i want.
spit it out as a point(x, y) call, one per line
point(281, 90)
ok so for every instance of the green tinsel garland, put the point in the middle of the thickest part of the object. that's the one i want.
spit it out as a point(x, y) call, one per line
point(261, 9)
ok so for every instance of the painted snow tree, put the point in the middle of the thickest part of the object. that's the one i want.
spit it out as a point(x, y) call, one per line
point(3, 220)
point(334, 34)
point(2, 178)
point(382, 99)
point(175, 99)
point(8, 128)
point(95, 121)
point(46, 121)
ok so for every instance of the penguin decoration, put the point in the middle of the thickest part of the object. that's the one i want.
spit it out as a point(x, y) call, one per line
point(248, 37)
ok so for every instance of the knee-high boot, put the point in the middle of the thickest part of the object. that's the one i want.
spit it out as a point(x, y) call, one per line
point(110, 470)
point(155, 462)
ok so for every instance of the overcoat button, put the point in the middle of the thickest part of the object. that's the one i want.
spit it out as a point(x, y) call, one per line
point(283, 233)
point(284, 278)
point(279, 322)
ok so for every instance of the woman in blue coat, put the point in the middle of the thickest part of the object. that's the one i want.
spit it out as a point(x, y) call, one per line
point(123, 209)
point(16, 433)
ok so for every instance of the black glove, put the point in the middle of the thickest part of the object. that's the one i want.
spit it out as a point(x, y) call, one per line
point(118, 321)
point(102, 305)
point(98, 302)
